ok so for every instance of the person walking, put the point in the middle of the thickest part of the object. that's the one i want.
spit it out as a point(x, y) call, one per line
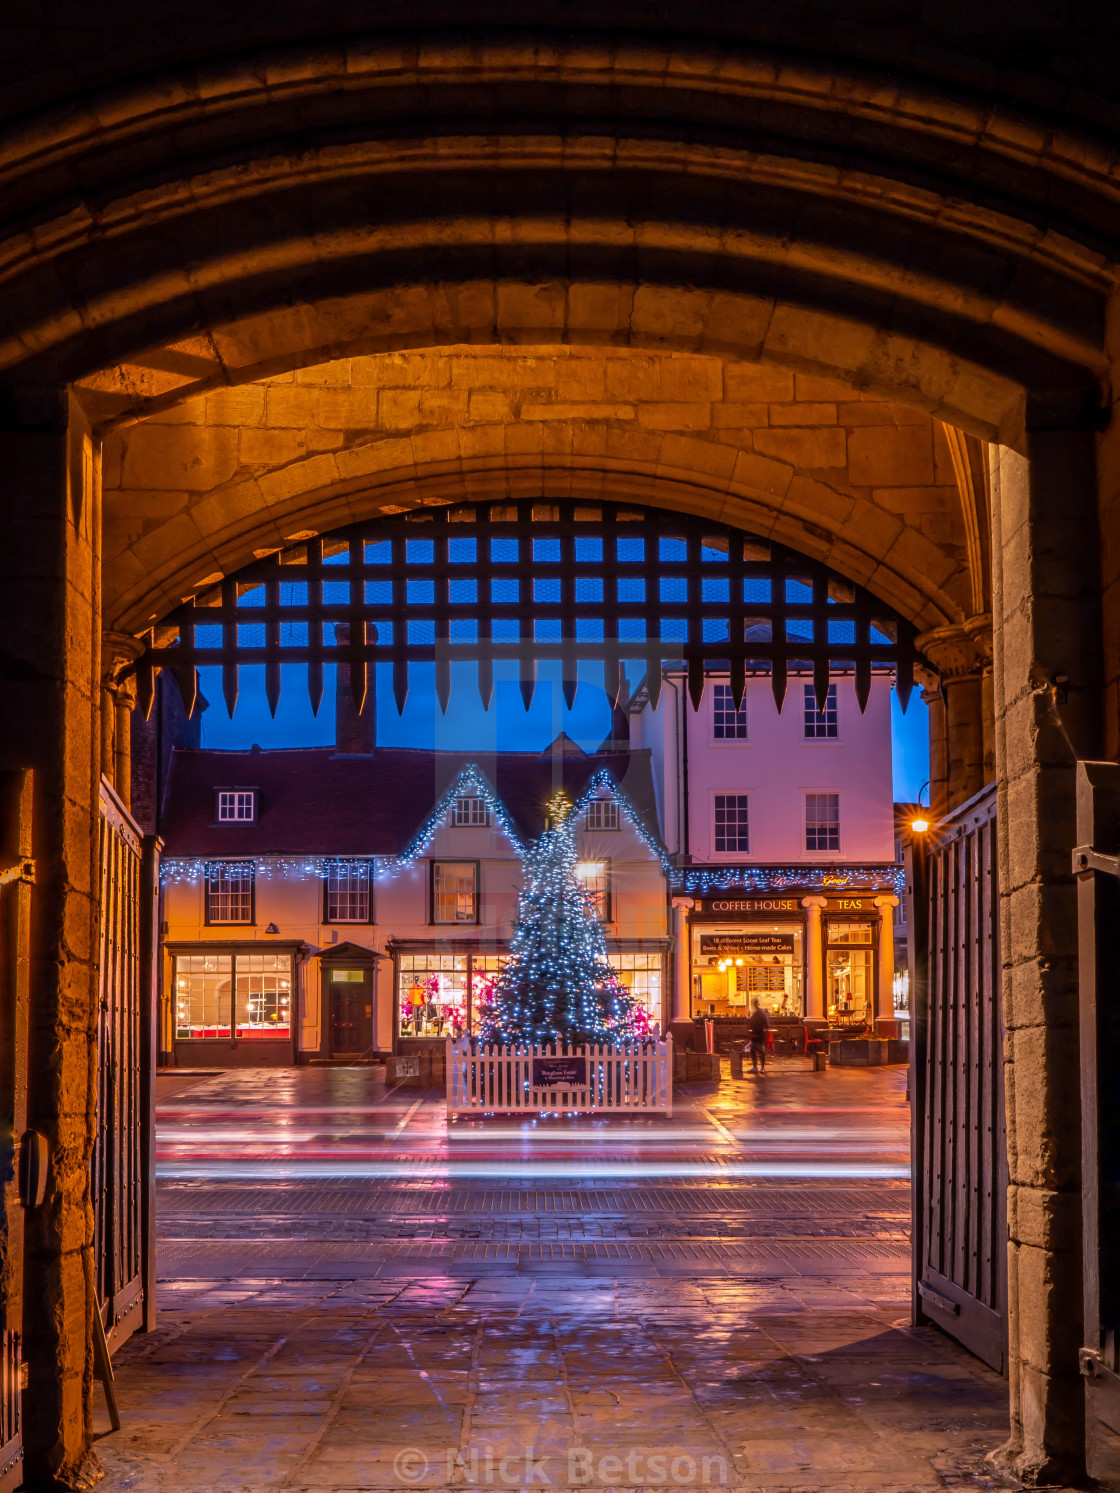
point(759, 1025)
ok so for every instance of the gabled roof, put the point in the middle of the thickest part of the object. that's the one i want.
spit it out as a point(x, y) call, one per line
point(314, 802)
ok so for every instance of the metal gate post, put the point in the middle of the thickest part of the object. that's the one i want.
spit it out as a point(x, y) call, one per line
point(1096, 864)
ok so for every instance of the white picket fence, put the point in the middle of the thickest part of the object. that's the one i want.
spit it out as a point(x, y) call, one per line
point(635, 1078)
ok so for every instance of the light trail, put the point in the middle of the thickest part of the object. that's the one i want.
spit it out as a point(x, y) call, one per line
point(855, 1140)
point(414, 1170)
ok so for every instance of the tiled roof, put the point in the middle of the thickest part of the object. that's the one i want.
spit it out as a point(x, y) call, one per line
point(313, 802)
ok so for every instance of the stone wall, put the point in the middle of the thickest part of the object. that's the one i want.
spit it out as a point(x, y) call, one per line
point(863, 483)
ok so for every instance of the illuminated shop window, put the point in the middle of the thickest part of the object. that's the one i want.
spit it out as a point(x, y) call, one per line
point(263, 985)
point(203, 985)
point(470, 812)
point(641, 974)
point(260, 986)
point(728, 724)
point(454, 891)
point(347, 892)
point(229, 892)
point(444, 995)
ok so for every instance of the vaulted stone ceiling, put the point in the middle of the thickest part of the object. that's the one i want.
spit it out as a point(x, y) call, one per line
point(196, 488)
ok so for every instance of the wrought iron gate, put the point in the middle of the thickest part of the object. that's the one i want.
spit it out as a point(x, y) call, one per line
point(122, 1165)
point(959, 1150)
point(16, 876)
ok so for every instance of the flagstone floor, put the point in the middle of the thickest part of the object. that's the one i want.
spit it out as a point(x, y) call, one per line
point(354, 1295)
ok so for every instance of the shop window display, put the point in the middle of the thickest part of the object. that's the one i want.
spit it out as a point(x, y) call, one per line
point(641, 974)
point(850, 973)
point(442, 995)
point(260, 983)
point(734, 966)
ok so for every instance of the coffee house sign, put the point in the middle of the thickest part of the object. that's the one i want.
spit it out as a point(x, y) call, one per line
point(738, 908)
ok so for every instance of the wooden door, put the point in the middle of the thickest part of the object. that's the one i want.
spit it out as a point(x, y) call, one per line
point(351, 1012)
point(16, 877)
point(959, 1151)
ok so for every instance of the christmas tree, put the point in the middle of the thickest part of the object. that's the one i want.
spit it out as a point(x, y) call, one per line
point(558, 985)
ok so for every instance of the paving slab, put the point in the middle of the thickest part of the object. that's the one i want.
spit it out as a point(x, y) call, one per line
point(351, 1297)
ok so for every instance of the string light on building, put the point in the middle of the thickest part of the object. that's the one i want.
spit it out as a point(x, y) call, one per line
point(470, 782)
point(702, 881)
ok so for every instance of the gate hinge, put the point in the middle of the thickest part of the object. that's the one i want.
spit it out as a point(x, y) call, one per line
point(1085, 858)
point(1093, 1366)
point(17, 868)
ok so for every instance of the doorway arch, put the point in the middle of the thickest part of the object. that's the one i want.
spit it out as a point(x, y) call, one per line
point(212, 227)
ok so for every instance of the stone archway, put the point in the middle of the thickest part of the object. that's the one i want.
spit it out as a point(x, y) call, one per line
point(214, 229)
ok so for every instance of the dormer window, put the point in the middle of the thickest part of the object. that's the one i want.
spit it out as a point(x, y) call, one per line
point(470, 813)
point(237, 806)
point(602, 813)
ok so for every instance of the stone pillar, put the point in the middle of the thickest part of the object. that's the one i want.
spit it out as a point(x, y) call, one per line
point(50, 603)
point(960, 655)
point(682, 960)
point(118, 697)
point(884, 985)
point(814, 958)
point(1048, 696)
point(938, 750)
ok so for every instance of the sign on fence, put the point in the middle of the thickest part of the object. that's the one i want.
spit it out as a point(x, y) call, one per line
point(631, 1078)
point(569, 1071)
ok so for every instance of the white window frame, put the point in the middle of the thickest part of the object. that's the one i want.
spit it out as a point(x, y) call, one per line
point(333, 869)
point(235, 799)
point(808, 697)
point(213, 875)
point(718, 793)
point(470, 811)
point(602, 810)
point(728, 741)
point(808, 793)
point(456, 922)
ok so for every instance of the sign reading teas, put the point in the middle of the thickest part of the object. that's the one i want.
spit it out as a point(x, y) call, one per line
point(746, 943)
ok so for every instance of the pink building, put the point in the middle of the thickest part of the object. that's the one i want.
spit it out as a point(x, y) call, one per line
point(781, 829)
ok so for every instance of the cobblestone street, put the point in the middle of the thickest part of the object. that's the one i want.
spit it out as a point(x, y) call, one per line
point(355, 1296)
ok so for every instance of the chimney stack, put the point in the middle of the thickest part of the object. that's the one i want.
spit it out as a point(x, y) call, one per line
point(354, 735)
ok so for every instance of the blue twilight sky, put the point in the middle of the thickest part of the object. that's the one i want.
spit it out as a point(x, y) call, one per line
point(506, 726)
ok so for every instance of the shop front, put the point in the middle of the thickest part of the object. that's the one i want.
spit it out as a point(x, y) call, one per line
point(804, 955)
point(442, 990)
point(234, 1005)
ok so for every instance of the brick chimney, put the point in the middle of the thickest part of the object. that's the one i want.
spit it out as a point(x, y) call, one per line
point(354, 735)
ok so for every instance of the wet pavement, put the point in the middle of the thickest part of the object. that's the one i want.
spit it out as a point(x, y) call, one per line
point(355, 1294)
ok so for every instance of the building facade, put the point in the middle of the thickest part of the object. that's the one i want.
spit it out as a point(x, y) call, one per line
point(781, 829)
point(322, 906)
